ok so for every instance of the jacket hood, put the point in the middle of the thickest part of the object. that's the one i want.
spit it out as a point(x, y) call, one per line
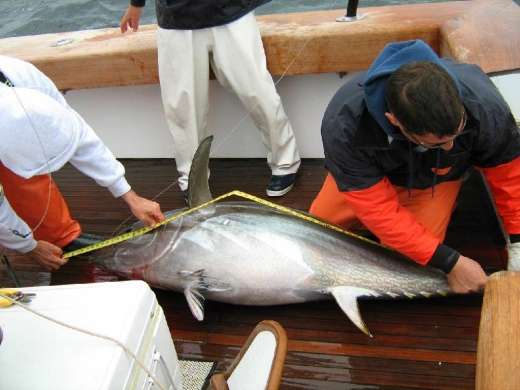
point(392, 57)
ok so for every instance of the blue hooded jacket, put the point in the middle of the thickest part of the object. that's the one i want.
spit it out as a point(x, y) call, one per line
point(362, 147)
point(392, 57)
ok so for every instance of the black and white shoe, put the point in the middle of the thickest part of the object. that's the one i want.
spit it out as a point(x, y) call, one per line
point(280, 184)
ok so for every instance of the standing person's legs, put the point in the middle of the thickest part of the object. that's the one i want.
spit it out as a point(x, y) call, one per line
point(240, 66)
point(432, 212)
point(40, 204)
point(184, 78)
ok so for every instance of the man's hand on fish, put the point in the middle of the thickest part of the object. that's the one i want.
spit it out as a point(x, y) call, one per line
point(466, 276)
point(513, 256)
point(145, 210)
point(47, 255)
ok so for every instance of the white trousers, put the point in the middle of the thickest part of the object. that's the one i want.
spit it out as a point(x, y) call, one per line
point(236, 55)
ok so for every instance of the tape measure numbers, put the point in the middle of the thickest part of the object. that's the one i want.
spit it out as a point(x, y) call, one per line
point(140, 232)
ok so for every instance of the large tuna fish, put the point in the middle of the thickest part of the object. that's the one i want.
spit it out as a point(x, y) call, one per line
point(249, 253)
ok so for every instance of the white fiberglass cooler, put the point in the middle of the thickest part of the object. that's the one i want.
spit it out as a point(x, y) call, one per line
point(37, 353)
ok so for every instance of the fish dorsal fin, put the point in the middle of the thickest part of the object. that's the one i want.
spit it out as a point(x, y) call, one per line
point(346, 297)
point(195, 302)
point(198, 186)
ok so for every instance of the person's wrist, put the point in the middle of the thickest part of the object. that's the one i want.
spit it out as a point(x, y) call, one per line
point(444, 258)
point(129, 196)
point(30, 247)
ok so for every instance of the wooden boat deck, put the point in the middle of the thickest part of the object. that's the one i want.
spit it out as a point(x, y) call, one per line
point(416, 344)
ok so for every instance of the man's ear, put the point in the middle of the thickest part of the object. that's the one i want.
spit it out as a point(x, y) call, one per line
point(393, 120)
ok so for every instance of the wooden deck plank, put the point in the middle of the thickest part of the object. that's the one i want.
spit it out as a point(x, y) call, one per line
point(329, 367)
point(499, 340)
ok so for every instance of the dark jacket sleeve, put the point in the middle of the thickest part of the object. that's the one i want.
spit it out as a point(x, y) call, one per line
point(496, 149)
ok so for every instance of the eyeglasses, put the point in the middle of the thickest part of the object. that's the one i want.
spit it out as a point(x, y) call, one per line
point(441, 144)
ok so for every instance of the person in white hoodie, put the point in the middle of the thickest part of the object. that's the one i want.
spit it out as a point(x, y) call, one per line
point(40, 133)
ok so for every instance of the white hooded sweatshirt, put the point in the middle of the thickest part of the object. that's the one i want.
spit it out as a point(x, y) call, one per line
point(39, 134)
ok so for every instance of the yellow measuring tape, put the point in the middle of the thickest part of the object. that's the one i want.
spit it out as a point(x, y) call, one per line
point(140, 232)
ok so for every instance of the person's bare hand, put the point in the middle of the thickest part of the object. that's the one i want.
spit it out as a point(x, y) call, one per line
point(145, 210)
point(466, 276)
point(47, 255)
point(131, 18)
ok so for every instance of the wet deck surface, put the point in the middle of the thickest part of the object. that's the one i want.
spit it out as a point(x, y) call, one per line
point(416, 344)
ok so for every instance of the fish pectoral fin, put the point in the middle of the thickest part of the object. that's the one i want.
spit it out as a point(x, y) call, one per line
point(195, 274)
point(346, 297)
point(198, 280)
point(196, 302)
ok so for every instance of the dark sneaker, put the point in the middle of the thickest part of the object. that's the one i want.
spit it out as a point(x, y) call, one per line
point(185, 195)
point(81, 242)
point(280, 184)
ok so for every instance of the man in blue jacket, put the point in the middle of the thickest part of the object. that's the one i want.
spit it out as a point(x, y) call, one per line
point(224, 33)
point(397, 140)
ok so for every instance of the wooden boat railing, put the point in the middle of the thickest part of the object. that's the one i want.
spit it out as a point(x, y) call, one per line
point(297, 43)
point(498, 353)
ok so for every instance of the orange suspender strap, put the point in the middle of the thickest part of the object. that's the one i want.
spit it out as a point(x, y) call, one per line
point(29, 198)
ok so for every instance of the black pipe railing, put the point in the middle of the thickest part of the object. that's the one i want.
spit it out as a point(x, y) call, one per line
point(351, 16)
point(352, 6)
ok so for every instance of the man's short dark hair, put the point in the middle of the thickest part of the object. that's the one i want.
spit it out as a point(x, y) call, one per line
point(425, 99)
